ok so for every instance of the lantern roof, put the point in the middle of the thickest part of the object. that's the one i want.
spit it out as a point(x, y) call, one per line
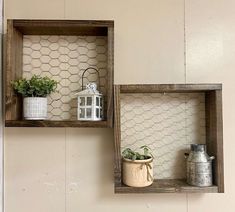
point(90, 90)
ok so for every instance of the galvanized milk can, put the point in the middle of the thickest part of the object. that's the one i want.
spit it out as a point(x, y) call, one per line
point(199, 166)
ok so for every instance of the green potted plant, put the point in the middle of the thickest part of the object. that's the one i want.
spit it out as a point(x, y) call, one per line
point(137, 167)
point(35, 92)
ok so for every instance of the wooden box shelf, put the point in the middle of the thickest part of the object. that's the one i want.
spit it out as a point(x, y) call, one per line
point(211, 95)
point(20, 30)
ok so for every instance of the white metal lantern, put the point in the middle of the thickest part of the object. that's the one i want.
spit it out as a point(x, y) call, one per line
point(90, 102)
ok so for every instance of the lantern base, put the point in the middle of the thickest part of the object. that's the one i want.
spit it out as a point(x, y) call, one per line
point(89, 119)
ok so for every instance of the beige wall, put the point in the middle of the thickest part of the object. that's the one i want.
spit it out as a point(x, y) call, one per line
point(58, 170)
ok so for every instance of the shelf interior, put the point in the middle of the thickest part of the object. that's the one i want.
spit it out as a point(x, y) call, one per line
point(167, 124)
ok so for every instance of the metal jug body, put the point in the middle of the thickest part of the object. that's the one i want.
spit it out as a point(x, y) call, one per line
point(199, 166)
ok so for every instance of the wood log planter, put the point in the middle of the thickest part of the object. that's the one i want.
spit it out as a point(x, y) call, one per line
point(137, 168)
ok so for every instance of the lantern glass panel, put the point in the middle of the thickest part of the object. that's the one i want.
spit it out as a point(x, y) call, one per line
point(89, 101)
point(101, 113)
point(97, 101)
point(82, 101)
point(97, 113)
point(101, 102)
point(88, 112)
point(82, 113)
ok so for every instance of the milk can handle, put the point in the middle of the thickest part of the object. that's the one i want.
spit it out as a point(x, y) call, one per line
point(212, 157)
point(186, 155)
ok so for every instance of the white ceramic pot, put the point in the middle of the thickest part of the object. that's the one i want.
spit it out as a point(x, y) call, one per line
point(35, 108)
point(137, 173)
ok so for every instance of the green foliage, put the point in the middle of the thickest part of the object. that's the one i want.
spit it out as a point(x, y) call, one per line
point(35, 87)
point(132, 155)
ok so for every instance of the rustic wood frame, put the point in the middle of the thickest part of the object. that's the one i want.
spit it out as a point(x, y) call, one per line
point(15, 31)
point(214, 137)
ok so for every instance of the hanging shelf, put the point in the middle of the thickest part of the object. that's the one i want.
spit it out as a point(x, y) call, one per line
point(136, 122)
point(90, 34)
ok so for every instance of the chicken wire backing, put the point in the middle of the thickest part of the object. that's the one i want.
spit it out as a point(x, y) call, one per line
point(167, 123)
point(64, 58)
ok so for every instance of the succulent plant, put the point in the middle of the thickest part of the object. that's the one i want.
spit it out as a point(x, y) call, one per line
point(133, 155)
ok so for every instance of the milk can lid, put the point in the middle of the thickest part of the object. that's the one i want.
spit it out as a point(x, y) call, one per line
point(198, 147)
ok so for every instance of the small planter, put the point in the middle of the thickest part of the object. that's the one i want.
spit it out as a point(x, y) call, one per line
point(35, 92)
point(35, 108)
point(138, 173)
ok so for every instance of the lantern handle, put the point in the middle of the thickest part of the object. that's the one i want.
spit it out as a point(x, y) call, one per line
point(86, 71)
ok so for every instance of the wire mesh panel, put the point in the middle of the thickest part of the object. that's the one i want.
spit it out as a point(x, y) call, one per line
point(64, 58)
point(167, 123)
